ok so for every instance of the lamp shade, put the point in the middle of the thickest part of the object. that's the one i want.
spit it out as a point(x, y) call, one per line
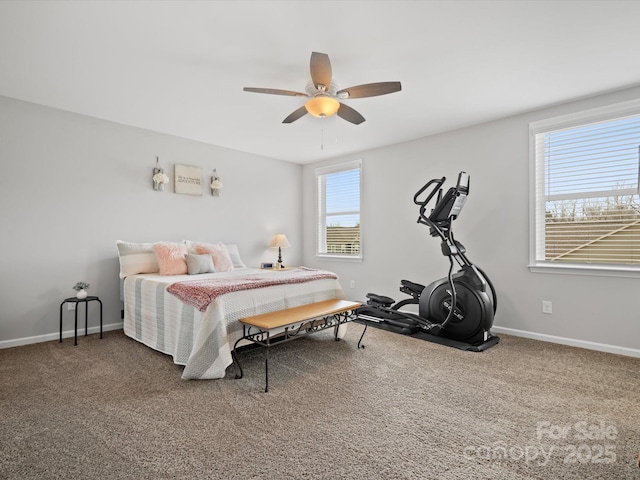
point(322, 106)
point(279, 240)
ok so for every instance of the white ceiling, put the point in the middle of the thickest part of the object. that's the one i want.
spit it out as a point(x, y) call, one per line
point(179, 67)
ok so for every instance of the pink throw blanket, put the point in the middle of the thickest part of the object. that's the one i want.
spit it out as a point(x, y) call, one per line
point(200, 293)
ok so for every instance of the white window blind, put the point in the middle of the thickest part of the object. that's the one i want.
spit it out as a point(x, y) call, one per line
point(586, 206)
point(338, 227)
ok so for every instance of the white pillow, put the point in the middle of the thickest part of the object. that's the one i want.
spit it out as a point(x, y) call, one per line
point(232, 248)
point(197, 264)
point(136, 258)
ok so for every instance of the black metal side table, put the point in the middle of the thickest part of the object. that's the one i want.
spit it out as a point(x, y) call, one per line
point(86, 315)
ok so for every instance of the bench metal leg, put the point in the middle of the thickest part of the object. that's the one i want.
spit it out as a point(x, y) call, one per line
point(266, 369)
point(236, 362)
point(239, 372)
point(360, 344)
point(336, 329)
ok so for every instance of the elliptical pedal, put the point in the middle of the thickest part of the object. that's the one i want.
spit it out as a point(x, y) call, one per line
point(379, 300)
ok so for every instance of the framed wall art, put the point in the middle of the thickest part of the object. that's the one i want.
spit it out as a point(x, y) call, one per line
point(187, 180)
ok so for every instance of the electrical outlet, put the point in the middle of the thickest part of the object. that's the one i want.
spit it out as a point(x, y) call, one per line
point(71, 306)
point(547, 307)
point(352, 284)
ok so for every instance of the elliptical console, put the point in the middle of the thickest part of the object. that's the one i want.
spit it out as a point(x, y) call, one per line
point(456, 310)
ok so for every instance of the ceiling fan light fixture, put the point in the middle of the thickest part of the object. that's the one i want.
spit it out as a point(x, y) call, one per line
point(322, 106)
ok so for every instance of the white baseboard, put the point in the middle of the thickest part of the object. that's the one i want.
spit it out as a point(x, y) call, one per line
point(601, 347)
point(55, 336)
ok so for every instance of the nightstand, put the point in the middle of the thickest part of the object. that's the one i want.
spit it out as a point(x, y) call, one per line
point(78, 301)
point(270, 266)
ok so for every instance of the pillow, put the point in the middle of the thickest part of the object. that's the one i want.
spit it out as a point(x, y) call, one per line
point(221, 259)
point(199, 263)
point(232, 248)
point(171, 258)
point(136, 258)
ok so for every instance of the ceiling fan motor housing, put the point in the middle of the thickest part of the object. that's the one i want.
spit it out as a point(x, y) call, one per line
point(312, 91)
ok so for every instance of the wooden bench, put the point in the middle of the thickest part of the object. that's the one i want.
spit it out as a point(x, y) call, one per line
point(281, 326)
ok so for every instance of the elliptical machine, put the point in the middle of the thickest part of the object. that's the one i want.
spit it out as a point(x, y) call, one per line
point(457, 310)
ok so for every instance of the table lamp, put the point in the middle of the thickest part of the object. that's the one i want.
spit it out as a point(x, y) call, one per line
point(279, 240)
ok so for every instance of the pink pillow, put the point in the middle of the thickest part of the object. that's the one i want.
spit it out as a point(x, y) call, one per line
point(221, 258)
point(171, 258)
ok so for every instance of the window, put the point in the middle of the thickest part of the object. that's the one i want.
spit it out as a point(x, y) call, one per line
point(585, 206)
point(338, 197)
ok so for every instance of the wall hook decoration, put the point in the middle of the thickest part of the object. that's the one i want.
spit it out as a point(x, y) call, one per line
point(216, 184)
point(159, 177)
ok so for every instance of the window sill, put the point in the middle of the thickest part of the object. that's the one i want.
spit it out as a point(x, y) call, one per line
point(584, 269)
point(339, 258)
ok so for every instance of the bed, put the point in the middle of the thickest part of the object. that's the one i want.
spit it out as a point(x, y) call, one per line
point(198, 335)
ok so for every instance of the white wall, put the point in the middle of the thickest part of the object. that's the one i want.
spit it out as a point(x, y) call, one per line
point(590, 311)
point(71, 185)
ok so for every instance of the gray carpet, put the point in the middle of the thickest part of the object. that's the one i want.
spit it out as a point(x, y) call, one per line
point(399, 409)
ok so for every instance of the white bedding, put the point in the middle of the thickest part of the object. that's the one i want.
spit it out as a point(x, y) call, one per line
point(202, 341)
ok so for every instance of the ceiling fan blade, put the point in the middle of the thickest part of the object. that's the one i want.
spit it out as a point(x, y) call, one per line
point(350, 115)
point(275, 91)
point(301, 112)
point(369, 90)
point(321, 70)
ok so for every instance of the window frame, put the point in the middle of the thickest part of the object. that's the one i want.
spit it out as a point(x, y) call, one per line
point(320, 216)
point(537, 202)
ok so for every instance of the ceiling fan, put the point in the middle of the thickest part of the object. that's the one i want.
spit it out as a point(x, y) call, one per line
point(324, 96)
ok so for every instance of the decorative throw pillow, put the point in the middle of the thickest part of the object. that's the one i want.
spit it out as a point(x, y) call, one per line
point(136, 258)
point(221, 259)
point(197, 264)
point(232, 248)
point(171, 258)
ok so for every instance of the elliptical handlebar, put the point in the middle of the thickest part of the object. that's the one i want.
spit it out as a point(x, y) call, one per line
point(423, 203)
point(448, 206)
point(431, 194)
